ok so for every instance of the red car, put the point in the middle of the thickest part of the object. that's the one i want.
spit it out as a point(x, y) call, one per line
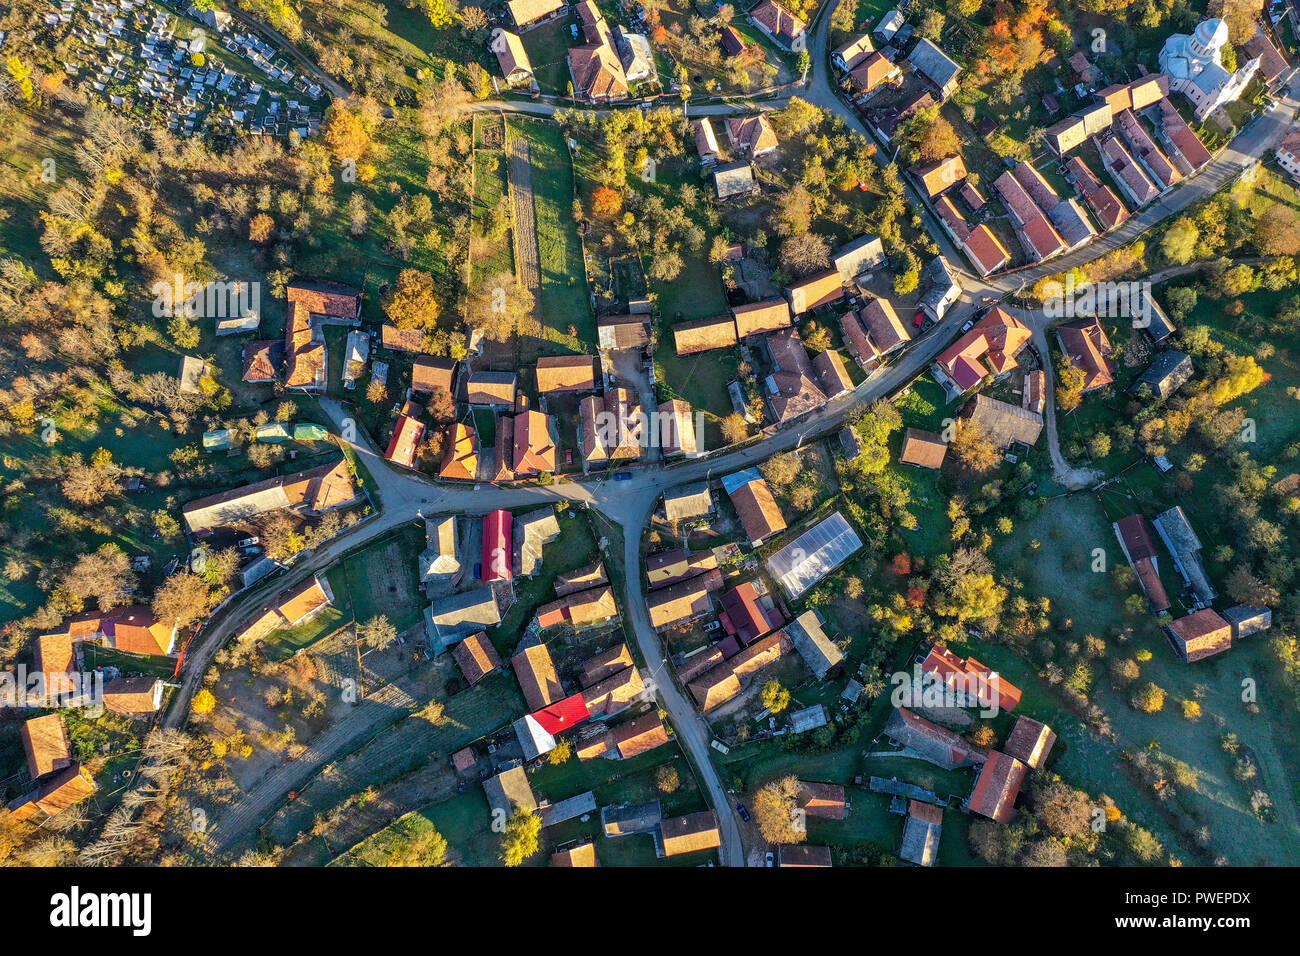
point(916, 322)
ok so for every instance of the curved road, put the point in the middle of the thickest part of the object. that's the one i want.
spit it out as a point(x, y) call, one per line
point(407, 496)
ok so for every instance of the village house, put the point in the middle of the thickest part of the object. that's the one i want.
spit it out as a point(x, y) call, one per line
point(706, 142)
point(818, 651)
point(781, 26)
point(862, 255)
point(526, 445)
point(453, 618)
point(290, 609)
point(748, 612)
point(669, 567)
point(45, 743)
point(923, 448)
point(532, 532)
point(1004, 424)
point(921, 833)
point(405, 441)
point(58, 793)
point(133, 695)
point(134, 629)
point(1030, 742)
point(703, 335)
point(688, 501)
point(313, 304)
point(559, 374)
point(579, 609)
point(491, 389)
point(612, 427)
point(526, 14)
point(511, 57)
point(791, 386)
point(734, 179)
point(852, 53)
point(722, 682)
point(1287, 154)
point(930, 742)
point(816, 290)
point(1166, 374)
point(754, 503)
point(988, 349)
point(751, 135)
point(584, 855)
point(1185, 547)
point(618, 332)
point(940, 175)
point(935, 67)
point(1089, 349)
point(972, 682)
point(677, 434)
point(439, 555)
point(756, 318)
point(1138, 545)
point(682, 602)
point(1199, 635)
point(476, 657)
point(691, 833)
point(875, 71)
point(460, 455)
point(312, 492)
point(997, 787)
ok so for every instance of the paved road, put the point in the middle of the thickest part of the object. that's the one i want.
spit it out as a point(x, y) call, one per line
point(407, 496)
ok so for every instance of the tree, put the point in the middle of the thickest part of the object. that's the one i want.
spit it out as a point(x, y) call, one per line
point(1149, 698)
point(1178, 245)
point(428, 847)
point(966, 588)
point(667, 780)
point(974, 447)
point(775, 697)
point(1062, 810)
point(441, 13)
point(521, 837)
point(105, 574)
point(473, 19)
point(346, 135)
point(377, 632)
point(412, 302)
point(606, 202)
point(817, 337)
point(1070, 380)
point(1245, 588)
point(1277, 231)
point(560, 753)
point(260, 228)
point(805, 253)
point(776, 810)
point(182, 599)
point(938, 140)
point(204, 702)
point(781, 470)
point(734, 428)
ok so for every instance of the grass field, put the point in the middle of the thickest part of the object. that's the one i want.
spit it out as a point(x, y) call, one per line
point(489, 255)
point(565, 301)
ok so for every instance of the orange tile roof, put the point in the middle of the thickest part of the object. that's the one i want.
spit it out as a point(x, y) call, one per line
point(45, 741)
point(766, 316)
point(997, 787)
point(405, 441)
point(535, 672)
point(923, 448)
point(460, 460)
point(132, 695)
point(565, 373)
point(476, 656)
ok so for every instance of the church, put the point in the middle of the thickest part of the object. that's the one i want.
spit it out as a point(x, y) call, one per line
point(1195, 67)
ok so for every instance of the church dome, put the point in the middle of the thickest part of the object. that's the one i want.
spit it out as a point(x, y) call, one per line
point(1211, 34)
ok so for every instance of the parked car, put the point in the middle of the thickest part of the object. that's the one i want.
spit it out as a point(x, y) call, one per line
point(969, 324)
point(712, 626)
point(744, 814)
point(916, 322)
point(248, 542)
point(622, 475)
point(568, 456)
point(769, 859)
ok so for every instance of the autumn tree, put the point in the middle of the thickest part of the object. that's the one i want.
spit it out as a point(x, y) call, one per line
point(606, 202)
point(260, 228)
point(805, 253)
point(734, 428)
point(1070, 380)
point(105, 575)
point(776, 810)
point(377, 632)
point(774, 697)
point(182, 599)
point(521, 837)
point(973, 446)
point(204, 702)
point(781, 470)
point(473, 19)
point(411, 302)
point(345, 134)
point(966, 588)
point(1062, 810)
